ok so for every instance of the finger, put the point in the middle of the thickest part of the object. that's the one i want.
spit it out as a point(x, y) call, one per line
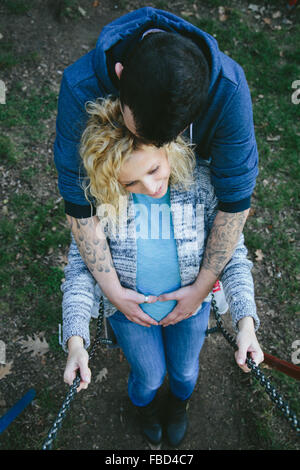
point(82, 386)
point(240, 357)
point(257, 356)
point(85, 376)
point(143, 318)
point(141, 298)
point(85, 372)
point(145, 321)
point(174, 317)
point(150, 299)
point(69, 375)
point(168, 296)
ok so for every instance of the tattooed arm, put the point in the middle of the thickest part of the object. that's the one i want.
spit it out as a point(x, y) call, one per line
point(221, 243)
point(95, 252)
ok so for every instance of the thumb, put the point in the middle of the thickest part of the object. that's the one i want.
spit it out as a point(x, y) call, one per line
point(241, 355)
point(168, 296)
point(70, 373)
point(85, 371)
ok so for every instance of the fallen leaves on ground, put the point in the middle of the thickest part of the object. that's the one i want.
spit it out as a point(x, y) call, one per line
point(6, 370)
point(102, 375)
point(259, 255)
point(36, 345)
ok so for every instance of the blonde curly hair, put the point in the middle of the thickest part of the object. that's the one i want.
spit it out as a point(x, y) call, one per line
point(106, 144)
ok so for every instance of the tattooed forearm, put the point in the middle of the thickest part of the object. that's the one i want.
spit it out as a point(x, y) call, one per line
point(94, 250)
point(222, 240)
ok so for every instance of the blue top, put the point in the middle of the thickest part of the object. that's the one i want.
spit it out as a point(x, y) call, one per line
point(224, 133)
point(157, 261)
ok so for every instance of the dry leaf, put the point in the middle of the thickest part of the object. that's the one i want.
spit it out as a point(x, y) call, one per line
point(5, 370)
point(276, 14)
point(265, 366)
point(270, 271)
point(102, 375)
point(222, 14)
point(271, 138)
point(267, 21)
point(82, 11)
point(187, 13)
point(253, 7)
point(35, 345)
point(259, 255)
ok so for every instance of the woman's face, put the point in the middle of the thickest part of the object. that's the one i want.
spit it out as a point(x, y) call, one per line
point(147, 172)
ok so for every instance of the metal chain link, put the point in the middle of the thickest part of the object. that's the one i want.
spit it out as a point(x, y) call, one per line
point(47, 445)
point(276, 398)
point(271, 391)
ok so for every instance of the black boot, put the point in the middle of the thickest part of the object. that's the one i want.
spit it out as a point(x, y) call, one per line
point(150, 422)
point(177, 420)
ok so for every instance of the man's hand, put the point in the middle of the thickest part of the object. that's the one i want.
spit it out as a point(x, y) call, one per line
point(247, 342)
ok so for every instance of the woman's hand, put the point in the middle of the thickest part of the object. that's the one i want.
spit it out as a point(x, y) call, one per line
point(78, 358)
point(188, 299)
point(128, 301)
point(247, 342)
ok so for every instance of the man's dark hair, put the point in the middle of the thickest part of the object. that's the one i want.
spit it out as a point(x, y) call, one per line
point(165, 84)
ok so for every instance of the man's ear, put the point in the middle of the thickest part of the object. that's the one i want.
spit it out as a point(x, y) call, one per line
point(118, 69)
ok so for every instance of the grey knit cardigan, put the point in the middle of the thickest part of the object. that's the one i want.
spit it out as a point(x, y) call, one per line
point(193, 213)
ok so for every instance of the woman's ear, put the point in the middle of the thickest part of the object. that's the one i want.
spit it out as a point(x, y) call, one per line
point(118, 69)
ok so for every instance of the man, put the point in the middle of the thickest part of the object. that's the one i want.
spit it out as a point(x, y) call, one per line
point(171, 78)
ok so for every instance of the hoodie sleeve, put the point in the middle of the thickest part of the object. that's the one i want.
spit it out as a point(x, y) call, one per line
point(71, 118)
point(78, 298)
point(234, 155)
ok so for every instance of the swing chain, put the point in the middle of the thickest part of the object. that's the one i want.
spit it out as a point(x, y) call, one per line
point(271, 391)
point(264, 382)
point(47, 445)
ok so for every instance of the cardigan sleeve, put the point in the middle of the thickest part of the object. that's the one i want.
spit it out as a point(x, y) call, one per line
point(238, 286)
point(78, 298)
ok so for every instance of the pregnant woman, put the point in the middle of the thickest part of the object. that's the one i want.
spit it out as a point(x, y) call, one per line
point(155, 207)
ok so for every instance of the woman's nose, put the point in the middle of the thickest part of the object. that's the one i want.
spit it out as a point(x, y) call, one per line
point(149, 185)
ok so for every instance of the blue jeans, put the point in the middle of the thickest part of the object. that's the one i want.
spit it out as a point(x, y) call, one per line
point(151, 352)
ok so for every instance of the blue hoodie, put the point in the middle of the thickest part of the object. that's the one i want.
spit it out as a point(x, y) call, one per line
point(224, 133)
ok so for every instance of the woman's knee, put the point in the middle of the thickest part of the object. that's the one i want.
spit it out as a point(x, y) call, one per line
point(149, 379)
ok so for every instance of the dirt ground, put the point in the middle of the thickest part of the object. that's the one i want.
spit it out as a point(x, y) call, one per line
point(225, 406)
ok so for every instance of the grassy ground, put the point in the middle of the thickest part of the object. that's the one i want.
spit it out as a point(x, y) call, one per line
point(33, 232)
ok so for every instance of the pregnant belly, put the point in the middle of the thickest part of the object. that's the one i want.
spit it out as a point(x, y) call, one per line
point(159, 310)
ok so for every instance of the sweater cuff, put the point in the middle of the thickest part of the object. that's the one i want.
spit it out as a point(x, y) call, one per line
point(240, 309)
point(74, 330)
point(235, 206)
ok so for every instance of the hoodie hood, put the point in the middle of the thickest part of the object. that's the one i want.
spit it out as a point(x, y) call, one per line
point(130, 27)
